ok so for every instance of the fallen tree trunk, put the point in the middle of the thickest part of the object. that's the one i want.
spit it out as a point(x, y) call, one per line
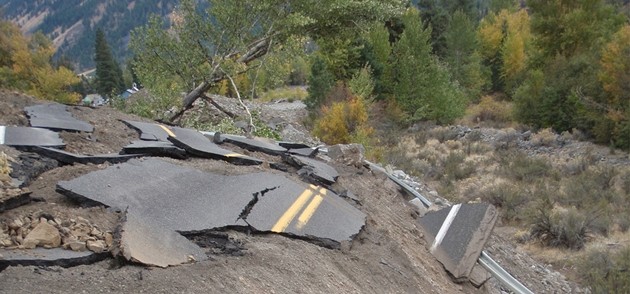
point(256, 50)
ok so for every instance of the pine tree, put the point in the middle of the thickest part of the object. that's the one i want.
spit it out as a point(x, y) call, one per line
point(461, 54)
point(423, 90)
point(109, 78)
point(320, 83)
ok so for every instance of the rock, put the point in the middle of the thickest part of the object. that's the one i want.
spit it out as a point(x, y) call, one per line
point(97, 246)
point(43, 234)
point(349, 154)
point(109, 239)
point(77, 245)
point(95, 232)
point(16, 224)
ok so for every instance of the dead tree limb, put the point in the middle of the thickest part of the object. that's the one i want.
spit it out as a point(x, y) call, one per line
point(251, 128)
point(256, 50)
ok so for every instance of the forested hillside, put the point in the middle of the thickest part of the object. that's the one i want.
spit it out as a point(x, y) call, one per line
point(72, 24)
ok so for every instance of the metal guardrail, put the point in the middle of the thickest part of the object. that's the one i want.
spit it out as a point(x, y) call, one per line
point(501, 274)
point(484, 260)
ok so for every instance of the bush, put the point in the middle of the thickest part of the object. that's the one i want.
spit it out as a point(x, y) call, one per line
point(455, 167)
point(343, 121)
point(489, 109)
point(606, 272)
point(520, 167)
point(560, 228)
point(509, 198)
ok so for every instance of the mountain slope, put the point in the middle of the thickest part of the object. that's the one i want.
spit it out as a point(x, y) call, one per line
point(72, 24)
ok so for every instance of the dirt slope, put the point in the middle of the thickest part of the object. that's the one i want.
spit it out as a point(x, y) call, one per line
point(388, 256)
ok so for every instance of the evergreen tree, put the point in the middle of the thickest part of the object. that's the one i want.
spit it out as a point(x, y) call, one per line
point(461, 54)
point(109, 78)
point(320, 83)
point(423, 89)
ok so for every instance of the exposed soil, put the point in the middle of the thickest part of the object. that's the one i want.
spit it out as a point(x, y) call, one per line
point(387, 256)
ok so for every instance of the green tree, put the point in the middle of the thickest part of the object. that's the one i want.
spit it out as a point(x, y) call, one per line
point(109, 77)
point(204, 46)
point(320, 83)
point(567, 90)
point(377, 53)
point(461, 54)
point(423, 88)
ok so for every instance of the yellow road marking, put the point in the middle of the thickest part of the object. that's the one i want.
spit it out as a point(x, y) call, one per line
point(310, 209)
point(288, 216)
point(167, 130)
point(233, 155)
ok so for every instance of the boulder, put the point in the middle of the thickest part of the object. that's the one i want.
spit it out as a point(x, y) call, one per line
point(349, 154)
point(43, 234)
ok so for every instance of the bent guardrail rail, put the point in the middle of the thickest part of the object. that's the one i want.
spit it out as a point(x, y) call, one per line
point(484, 260)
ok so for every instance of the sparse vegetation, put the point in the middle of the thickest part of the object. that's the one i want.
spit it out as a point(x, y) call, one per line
point(284, 93)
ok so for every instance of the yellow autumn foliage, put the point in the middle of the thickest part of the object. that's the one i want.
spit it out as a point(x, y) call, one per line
point(615, 68)
point(504, 37)
point(343, 122)
point(25, 65)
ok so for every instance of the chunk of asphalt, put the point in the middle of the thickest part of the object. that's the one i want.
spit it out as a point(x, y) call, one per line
point(55, 116)
point(29, 137)
point(28, 166)
point(189, 201)
point(72, 158)
point(11, 201)
point(317, 170)
point(254, 144)
point(150, 242)
point(48, 257)
point(155, 148)
point(148, 131)
point(293, 145)
point(197, 144)
point(308, 152)
point(456, 235)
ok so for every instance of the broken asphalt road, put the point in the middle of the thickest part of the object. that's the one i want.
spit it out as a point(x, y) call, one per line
point(28, 137)
point(256, 144)
point(56, 117)
point(197, 144)
point(457, 234)
point(187, 200)
point(320, 171)
point(72, 158)
point(192, 141)
point(48, 257)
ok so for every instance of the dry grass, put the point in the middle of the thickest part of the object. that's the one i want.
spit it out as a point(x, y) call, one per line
point(287, 93)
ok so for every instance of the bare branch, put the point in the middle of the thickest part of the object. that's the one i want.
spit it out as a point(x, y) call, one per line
point(252, 128)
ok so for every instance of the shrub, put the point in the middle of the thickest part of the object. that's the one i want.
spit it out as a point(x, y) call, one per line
point(509, 198)
point(343, 121)
point(606, 272)
point(544, 137)
point(520, 167)
point(490, 110)
point(560, 228)
point(455, 167)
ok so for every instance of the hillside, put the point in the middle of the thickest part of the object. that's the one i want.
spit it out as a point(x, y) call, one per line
point(72, 24)
point(387, 256)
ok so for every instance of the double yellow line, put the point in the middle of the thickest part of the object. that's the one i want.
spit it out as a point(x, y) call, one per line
point(288, 216)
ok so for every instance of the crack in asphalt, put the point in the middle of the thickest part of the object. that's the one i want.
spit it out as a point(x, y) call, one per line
point(255, 197)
